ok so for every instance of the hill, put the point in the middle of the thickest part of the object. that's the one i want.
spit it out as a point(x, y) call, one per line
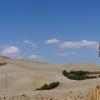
point(25, 76)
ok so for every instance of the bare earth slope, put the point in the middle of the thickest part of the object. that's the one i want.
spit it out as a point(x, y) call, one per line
point(24, 76)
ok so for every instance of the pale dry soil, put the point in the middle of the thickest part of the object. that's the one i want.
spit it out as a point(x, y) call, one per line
point(25, 76)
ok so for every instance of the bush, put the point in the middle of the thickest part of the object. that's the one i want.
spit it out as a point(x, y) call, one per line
point(99, 76)
point(78, 75)
point(49, 87)
point(79, 72)
point(65, 73)
point(3, 63)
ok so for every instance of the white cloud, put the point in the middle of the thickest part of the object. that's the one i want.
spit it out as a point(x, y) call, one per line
point(30, 43)
point(52, 41)
point(73, 44)
point(11, 50)
point(27, 41)
point(66, 53)
point(79, 44)
point(34, 56)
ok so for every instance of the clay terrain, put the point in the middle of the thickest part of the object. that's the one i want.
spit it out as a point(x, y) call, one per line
point(19, 79)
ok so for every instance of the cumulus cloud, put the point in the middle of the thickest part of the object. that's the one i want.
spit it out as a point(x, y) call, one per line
point(52, 41)
point(66, 53)
point(29, 42)
point(79, 44)
point(73, 44)
point(34, 56)
point(11, 50)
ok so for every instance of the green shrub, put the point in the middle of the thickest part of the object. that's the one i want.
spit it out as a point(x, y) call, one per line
point(65, 73)
point(4, 63)
point(78, 75)
point(99, 76)
point(78, 72)
point(49, 87)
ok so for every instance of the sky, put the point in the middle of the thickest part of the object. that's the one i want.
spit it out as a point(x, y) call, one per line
point(54, 31)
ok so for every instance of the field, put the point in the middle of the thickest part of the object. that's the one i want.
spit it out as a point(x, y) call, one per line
point(20, 78)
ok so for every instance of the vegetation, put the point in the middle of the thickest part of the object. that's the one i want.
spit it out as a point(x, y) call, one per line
point(80, 75)
point(4, 63)
point(49, 86)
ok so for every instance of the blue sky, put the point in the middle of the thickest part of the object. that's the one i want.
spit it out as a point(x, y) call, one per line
point(56, 31)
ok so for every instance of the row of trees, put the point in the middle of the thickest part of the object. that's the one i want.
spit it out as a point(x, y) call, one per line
point(79, 75)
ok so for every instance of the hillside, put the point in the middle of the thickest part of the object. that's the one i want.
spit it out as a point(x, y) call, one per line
point(25, 76)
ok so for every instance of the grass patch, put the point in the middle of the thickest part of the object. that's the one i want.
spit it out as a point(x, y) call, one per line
point(49, 86)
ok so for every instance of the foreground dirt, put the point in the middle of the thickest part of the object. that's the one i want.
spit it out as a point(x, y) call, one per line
point(48, 95)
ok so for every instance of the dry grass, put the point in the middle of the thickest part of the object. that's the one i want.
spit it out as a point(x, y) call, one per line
point(24, 76)
point(95, 94)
